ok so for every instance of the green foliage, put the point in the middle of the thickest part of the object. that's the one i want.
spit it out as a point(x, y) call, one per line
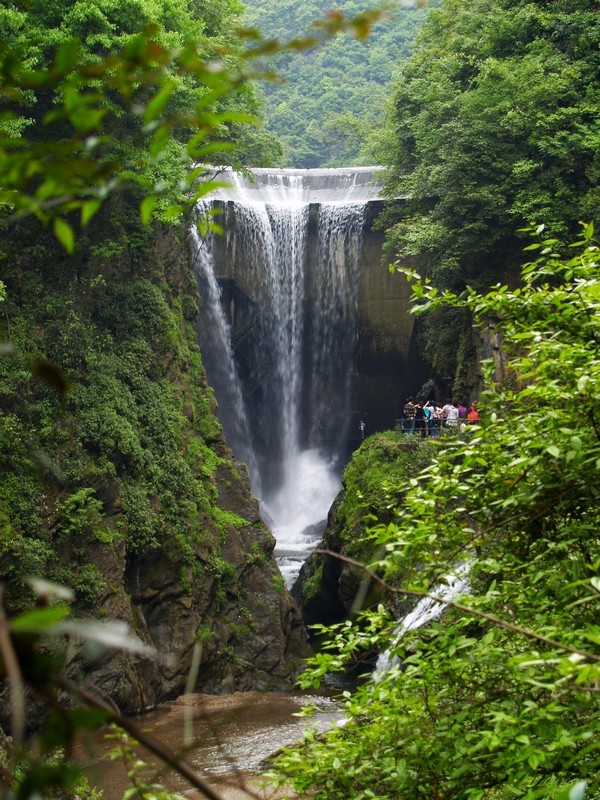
point(311, 586)
point(277, 582)
point(221, 569)
point(225, 519)
point(497, 699)
point(123, 450)
point(330, 106)
point(494, 126)
point(94, 121)
point(98, 96)
point(78, 514)
point(87, 582)
point(375, 482)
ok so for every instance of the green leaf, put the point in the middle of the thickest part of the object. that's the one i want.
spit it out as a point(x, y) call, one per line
point(158, 103)
point(214, 147)
point(147, 207)
point(159, 140)
point(88, 210)
point(64, 233)
point(575, 792)
point(39, 620)
point(588, 231)
point(202, 188)
point(67, 54)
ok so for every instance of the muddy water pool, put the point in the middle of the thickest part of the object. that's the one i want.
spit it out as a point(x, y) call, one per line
point(232, 735)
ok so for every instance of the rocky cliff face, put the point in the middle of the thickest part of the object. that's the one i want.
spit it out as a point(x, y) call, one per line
point(228, 597)
point(122, 487)
point(387, 365)
point(328, 588)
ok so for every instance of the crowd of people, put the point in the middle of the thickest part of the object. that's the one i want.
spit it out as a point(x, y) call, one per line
point(428, 419)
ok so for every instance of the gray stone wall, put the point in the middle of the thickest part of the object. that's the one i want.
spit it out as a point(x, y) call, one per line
point(387, 365)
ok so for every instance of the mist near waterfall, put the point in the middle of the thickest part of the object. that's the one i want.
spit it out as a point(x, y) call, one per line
point(277, 333)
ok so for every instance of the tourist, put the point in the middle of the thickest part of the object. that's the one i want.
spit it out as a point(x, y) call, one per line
point(408, 416)
point(428, 414)
point(436, 420)
point(419, 428)
point(473, 415)
point(361, 428)
point(451, 418)
point(446, 408)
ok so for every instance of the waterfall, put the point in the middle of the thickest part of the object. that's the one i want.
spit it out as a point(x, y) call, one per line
point(425, 611)
point(217, 353)
point(285, 317)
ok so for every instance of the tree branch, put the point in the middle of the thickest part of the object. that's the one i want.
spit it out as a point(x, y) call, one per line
point(459, 607)
point(166, 755)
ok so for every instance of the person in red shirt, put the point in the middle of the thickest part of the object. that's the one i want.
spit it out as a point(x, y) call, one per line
point(473, 415)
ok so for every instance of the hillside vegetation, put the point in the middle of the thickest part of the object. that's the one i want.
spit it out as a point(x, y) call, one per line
point(494, 127)
point(330, 109)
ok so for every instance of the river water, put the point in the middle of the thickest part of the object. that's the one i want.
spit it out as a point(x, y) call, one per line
point(232, 735)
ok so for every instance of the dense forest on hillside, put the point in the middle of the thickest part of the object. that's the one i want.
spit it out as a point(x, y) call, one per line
point(330, 109)
point(494, 127)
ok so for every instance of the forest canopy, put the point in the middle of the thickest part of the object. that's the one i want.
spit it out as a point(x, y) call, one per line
point(329, 110)
point(495, 126)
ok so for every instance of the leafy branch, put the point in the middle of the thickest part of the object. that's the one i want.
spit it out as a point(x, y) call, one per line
point(501, 623)
point(52, 179)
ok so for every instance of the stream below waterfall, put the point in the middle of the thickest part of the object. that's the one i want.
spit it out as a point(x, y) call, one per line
point(232, 736)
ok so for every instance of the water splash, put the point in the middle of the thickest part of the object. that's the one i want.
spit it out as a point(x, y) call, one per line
point(297, 512)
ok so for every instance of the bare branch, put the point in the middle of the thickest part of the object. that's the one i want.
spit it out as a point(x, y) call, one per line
point(15, 678)
point(166, 755)
point(489, 617)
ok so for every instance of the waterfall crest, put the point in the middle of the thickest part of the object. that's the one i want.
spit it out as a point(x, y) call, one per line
point(278, 334)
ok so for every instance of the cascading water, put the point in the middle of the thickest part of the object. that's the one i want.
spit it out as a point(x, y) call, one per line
point(425, 611)
point(218, 355)
point(282, 367)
